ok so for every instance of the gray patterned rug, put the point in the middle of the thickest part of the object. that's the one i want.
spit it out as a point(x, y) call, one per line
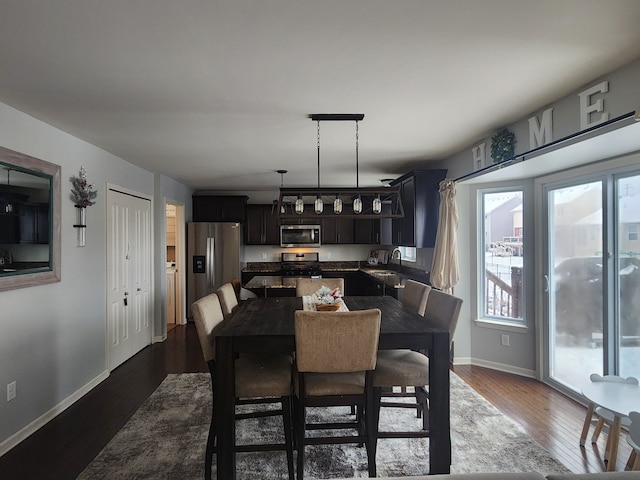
point(165, 439)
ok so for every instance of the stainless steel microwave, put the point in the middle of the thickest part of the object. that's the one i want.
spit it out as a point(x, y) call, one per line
point(299, 235)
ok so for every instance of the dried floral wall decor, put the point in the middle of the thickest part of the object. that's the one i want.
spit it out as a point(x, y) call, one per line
point(83, 193)
point(503, 145)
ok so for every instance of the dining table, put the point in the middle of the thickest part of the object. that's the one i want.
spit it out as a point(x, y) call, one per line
point(617, 397)
point(266, 325)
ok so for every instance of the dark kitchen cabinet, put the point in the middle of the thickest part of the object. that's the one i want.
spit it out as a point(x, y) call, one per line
point(9, 228)
point(34, 223)
point(420, 201)
point(366, 231)
point(262, 226)
point(337, 230)
point(219, 208)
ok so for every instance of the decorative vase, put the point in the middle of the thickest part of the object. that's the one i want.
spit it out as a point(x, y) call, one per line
point(81, 224)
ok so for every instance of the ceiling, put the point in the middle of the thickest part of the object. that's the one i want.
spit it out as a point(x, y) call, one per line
point(216, 94)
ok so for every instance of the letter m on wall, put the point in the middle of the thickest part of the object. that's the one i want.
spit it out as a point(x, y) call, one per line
point(541, 133)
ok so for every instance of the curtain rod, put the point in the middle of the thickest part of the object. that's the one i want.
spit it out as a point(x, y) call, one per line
point(521, 157)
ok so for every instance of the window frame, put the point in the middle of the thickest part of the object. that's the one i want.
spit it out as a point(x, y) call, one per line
point(481, 251)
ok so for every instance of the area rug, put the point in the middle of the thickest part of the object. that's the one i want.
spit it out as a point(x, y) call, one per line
point(166, 437)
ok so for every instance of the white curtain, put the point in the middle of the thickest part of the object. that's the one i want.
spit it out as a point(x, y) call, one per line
point(444, 269)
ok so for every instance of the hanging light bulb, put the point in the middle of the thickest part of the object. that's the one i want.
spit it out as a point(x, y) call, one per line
point(318, 204)
point(337, 205)
point(357, 202)
point(377, 205)
point(299, 205)
point(357, 205)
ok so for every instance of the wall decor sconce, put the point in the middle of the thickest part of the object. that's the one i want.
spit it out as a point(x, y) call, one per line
point(83, 195)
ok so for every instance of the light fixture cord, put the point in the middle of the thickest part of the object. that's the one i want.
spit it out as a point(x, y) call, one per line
point(357, 142)
point(318, 153)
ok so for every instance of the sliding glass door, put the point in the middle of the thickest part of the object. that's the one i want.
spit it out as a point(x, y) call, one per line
point(592, 277)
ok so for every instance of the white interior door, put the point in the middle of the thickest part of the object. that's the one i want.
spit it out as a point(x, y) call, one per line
point(128, 276)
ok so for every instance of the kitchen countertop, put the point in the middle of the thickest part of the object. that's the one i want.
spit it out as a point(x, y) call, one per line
point(387, 277)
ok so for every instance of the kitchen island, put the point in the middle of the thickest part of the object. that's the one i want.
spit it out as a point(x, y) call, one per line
point(384, 282)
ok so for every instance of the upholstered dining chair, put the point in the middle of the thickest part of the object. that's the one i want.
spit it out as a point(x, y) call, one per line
point(258, 379)
point(414, 295)
point(407, 368)
point(309, 286)
point(335, 358)
point(228, 299)
point(603, 415)
point(633, 439)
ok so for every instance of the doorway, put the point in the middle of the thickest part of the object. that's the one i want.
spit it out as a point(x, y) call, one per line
point(592, 276)
point(175, 286)
point(129, 275)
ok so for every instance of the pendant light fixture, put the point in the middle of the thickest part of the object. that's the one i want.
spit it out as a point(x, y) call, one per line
point(318, 206)
point(299, 205)
point(283, 208)
point(337, 205)
point(362, 202)
point(357, 202)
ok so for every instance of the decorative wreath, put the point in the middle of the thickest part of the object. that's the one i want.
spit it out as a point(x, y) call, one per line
point(503, 145)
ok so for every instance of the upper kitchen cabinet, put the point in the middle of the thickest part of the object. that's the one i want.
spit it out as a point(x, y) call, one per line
point(337, 230)
point(218, 208)
point(262, 225)
point(420, 201)
point(34, 223)
point(366, 231)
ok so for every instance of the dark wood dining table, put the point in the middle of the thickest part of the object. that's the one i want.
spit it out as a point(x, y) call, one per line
point(266, 325)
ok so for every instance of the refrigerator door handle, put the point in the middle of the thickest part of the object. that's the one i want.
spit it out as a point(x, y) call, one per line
point(211, 273)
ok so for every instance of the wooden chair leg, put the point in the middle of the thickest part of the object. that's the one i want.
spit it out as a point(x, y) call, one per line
point(597, 430)
point(208, 456)
point(587, 424)
point(288, 436)
point(614, 435)
point(631, 461)
point(300, 434)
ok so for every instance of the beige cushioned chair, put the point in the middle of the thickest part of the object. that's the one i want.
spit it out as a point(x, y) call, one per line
point(406, 368)
point(228, 299)
point(335, 358)
point(414, 295)
point(258, 379)
point(309, 286)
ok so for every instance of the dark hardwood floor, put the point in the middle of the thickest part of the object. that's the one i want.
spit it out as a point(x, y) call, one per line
point(62, 448)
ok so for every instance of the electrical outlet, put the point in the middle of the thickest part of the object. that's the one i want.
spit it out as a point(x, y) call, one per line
point(264, 255)
point(11, 391)
point(329, 255)
point(504, 338)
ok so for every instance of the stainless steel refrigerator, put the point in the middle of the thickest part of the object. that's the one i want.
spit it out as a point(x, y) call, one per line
point(213, 251)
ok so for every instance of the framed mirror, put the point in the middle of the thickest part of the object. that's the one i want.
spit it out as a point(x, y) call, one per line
point(29, 221)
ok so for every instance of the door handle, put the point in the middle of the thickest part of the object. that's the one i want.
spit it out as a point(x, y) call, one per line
point(545, 287)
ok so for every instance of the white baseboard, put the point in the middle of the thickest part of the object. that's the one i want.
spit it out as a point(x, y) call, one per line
point(39, 422)
point(523, 372)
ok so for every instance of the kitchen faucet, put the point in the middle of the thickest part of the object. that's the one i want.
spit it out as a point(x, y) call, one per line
point(399, 257)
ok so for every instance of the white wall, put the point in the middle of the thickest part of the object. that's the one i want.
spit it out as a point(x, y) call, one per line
point(53, 340)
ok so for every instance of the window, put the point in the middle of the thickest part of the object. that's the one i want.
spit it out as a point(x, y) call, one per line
point(408, 254)
point(501, 256)
point(632, 231)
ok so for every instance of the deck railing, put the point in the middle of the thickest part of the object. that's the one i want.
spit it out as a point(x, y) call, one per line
point(502, 299)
